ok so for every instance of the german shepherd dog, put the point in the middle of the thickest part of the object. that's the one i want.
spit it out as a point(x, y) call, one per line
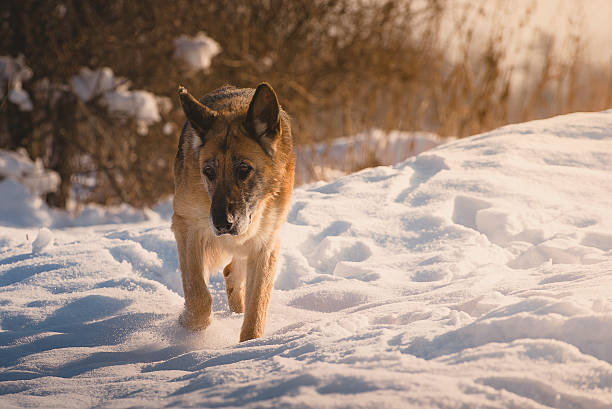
point(233, 179)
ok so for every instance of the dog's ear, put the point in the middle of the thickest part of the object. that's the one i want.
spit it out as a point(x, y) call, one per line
point(263, 120)
point(198, 114)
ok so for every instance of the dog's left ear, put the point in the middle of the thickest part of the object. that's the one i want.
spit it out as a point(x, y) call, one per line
point(263, 120)
point(199, 115)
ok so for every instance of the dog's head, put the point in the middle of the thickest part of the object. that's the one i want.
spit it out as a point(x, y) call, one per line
point(235, 149)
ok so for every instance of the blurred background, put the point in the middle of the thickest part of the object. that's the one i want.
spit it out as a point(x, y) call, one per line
point(88, 89)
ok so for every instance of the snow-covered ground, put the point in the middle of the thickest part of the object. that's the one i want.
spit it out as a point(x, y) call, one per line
point(477, 274)
point(336, 158)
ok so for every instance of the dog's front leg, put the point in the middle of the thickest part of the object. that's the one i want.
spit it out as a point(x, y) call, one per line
point(198, 301)
point(260, 278)
point(234, 274)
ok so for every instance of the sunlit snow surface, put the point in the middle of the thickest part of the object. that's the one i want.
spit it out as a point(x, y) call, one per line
point(477, 274)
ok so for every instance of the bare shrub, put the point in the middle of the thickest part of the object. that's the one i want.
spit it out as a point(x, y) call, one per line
point(339, 66)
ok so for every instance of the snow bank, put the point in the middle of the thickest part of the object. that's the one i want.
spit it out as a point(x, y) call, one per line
point(25, 209)
point(18, 166)
point(23, 183)
point(196, 52)
point(326, 161)
point(477, 274)
point(20, 207)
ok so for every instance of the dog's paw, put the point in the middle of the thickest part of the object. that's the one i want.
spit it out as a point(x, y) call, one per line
point(235, 299)
point(194, 322)
point(237, 307)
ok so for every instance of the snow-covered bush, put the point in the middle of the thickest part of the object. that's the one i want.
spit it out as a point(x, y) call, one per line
point(90, 129)
point(22, 185)
point(88, 84)
point(13, 72)
point(339, 67)
point(18, 167)
point(116, 97)
point(196, 53)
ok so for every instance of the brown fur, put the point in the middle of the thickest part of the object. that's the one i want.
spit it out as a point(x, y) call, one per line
point(227, 128)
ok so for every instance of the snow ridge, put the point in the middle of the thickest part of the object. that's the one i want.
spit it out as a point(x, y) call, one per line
point(477, 274)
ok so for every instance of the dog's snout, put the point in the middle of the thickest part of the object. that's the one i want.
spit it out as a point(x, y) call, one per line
point(223, 222)
point(223, 216)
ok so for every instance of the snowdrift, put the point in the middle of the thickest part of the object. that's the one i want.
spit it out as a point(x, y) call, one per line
point(326, 161)
point(23, 183)
point(477, 274)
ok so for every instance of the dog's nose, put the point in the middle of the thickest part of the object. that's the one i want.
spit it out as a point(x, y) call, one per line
point(222, 214)
point(223, 224)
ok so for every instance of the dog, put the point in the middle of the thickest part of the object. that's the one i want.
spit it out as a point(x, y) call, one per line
point(233, 178)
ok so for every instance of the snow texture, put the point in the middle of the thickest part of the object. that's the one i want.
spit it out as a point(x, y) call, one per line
point(477, 274)
point(196, 53)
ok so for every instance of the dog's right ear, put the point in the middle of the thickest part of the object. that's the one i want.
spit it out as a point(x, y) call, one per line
point(262, 120)
point(199, 115)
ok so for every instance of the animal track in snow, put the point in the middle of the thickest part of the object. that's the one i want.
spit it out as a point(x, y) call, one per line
point(601, 241)
point(152, 256)
point(433, 269)
point(325, 250)
point(334, 249)
point(531, 247)
point(22, 273)
point(525, 320)
point(541, 392)
point(334, 229)
point(425, 167)
point(465, 209)
point(559, 250)
point(430, 274)
point(294, 214)
point(499, 225)
point(355, 271)
point(329, 300)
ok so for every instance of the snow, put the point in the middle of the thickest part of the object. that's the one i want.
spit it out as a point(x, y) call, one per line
point(13, 72)
point(326, 161)
point(141, 105)
point(476, 274)
point(43, 241)
point(196, 53)
point(22, 208)
point(23, 183)
point(20, 97)
point(19, 167)
point(89, 83)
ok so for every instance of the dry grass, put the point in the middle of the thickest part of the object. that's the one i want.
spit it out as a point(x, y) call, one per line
point(339, 66)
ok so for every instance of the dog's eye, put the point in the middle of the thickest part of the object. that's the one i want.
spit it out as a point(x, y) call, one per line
point(244, 170)
point(209, 172)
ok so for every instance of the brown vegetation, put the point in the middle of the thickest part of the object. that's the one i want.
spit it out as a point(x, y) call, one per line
point(338, 66)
